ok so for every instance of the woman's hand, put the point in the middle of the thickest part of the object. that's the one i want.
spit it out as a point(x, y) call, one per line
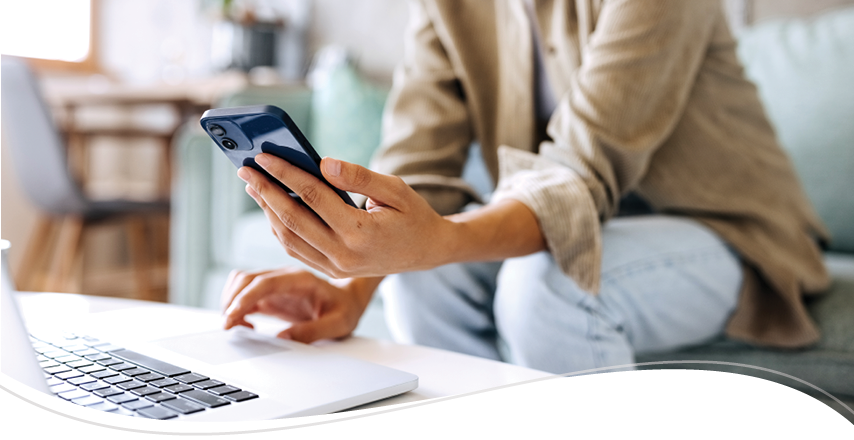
point(398, 232)
point(318, 309)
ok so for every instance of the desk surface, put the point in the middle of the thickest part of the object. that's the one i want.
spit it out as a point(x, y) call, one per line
point(441, 373)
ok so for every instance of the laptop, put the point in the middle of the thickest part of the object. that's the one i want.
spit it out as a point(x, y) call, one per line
point(180, 365)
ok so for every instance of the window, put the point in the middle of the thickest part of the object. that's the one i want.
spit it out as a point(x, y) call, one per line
point(57, 34)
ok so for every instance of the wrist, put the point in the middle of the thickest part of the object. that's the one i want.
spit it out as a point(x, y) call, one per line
point(360, 289)
point(497, 231)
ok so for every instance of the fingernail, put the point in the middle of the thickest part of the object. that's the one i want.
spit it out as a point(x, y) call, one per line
point(243, 174)
point(262, 160)
point(333, 167)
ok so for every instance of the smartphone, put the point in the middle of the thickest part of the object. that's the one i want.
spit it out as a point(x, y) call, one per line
point(244, 132)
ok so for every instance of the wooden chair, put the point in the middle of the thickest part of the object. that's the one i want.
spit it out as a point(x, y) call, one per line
point(39, 158)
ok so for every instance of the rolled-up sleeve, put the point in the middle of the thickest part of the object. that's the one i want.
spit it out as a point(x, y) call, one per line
point(426, 125)
point(636, 76)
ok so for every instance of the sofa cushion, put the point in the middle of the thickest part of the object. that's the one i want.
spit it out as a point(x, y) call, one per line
point(804, 71)
point(347, 115)
point(828, 365)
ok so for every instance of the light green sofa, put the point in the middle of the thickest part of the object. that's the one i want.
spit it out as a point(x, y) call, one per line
point(805, 74)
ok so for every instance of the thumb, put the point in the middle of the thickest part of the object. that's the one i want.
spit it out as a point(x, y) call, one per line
point(325, 327)
point(382, 188)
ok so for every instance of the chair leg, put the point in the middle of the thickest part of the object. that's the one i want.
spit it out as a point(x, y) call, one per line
point(28, 274)
point(139, 256)
point(67, 248)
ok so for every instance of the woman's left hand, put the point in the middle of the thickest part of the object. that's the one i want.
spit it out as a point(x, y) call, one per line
point(398, 232)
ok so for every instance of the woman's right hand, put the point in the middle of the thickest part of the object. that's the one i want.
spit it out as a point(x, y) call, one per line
point(318, 309)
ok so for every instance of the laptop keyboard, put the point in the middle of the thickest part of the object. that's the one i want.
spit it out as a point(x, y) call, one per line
point(100, 375)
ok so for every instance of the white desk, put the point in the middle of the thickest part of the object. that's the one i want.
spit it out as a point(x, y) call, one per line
point(441, 373)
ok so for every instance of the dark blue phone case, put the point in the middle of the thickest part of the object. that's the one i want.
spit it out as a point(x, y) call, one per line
point(244, 132)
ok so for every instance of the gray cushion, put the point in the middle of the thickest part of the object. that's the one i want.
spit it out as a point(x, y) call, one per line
point(829, 365)
point(804, 71)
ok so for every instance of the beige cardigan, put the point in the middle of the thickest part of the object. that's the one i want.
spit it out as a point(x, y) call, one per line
point(652, 100)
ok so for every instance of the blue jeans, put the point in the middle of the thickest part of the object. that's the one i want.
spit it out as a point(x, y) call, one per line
point(667, 283)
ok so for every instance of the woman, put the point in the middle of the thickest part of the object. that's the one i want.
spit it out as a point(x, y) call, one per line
point(575, 105)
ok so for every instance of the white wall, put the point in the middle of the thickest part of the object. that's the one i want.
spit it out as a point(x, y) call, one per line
point(142, 40)
point(371, 29)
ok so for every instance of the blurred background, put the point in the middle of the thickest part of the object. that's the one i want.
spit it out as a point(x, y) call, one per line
point(125, 82)
point(125, 196)
point(109, 186)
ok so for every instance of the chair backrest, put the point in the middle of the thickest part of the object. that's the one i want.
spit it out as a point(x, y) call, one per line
point(36, 148)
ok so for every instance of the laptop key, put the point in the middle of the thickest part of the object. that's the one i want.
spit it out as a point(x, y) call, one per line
point(92, 386)
point(74, 394)
point(122, 366)
point(183, 406)
point(149, 377)
point(107, 348)
point(105, 406)
point(179, 388)
point(123, 412)
point(93, 342)
point(131, 384)
point(158, 413)
point(68, 374)
point(87, 352)
point(162, 382)
point(191, 378)
point(78, 347)
point(67, 359)
point(78, 364)
point(225, 389)
point(81, 380)
point(57, 369)
point(137, 404)
point(107, 392)
point(92, 369)
point(98, 357)
point(109, 361)
point(240, 396)
point(152, 364)
point(117, 379)
point(135, 372)
point(51, 381)
point(160, 397)
point(207, 384)
point(55, 353)
point(49, 363)
point(104, 373)
point(122, 398)
point(88, 401)
point(205, 398)
point(62, 388)
point(145, 391)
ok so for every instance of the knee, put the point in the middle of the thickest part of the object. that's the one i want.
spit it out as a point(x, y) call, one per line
point(417, 304)
point(527, 296)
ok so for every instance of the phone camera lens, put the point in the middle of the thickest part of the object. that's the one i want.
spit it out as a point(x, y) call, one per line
point(216, 130)
point(229, 144)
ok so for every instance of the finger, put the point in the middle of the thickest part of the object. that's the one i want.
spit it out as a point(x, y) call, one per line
point(315, 193)
point(245, 302)
point(291, 215)
point(294, 245)
point(328, 326)
point(382, 188)
point(237, 281)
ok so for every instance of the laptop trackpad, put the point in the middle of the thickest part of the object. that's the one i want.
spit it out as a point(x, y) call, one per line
point(221, 347)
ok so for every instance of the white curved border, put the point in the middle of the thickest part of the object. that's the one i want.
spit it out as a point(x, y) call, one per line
point(142, 426)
